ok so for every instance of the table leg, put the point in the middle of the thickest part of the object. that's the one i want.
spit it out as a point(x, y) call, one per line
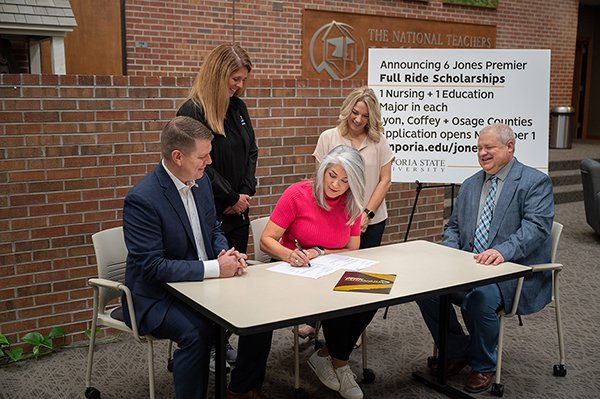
point(439, 382)
point(220, 369)
point(443, 338)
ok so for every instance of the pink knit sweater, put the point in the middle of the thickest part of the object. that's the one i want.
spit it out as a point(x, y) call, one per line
point(298, 213)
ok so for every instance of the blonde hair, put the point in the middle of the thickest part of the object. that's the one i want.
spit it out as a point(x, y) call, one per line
point(211, 86)
point(374, 127)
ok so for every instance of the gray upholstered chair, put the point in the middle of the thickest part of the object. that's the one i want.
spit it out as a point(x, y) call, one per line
point(590, 178)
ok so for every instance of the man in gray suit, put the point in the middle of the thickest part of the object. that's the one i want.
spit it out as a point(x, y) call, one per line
point(503, 213)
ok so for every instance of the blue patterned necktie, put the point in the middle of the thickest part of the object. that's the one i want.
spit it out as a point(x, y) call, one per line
point(482, 232)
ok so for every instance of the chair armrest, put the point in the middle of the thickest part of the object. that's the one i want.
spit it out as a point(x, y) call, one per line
point(102, 282)
point(118, 286)
point(557, 267)
point(546, 266)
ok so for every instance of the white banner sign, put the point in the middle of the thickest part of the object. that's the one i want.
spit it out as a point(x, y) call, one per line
point(434, 102)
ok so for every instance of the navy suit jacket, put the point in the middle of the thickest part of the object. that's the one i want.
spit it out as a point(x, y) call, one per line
point(520, 229)
point(161, 244)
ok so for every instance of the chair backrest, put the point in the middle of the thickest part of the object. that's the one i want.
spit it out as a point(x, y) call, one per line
point(590, 180)
point(258, 225)
point(555, 234)
point(111, 257)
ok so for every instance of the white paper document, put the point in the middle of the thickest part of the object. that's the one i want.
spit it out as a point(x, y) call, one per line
point(324, 265)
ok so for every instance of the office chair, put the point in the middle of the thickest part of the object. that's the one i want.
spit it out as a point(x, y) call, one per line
point(559, 370)
point(111, 257)
point(590, 180)
point(258, 226)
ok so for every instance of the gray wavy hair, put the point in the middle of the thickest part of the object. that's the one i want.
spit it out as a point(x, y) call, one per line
point(352, 162)
point(503, 132)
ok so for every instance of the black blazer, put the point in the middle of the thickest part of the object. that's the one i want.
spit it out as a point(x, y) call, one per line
point(234, 155)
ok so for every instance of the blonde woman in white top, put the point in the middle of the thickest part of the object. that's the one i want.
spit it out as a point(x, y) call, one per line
point(360, 126)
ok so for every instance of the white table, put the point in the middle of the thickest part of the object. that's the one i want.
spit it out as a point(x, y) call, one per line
point(267, 300)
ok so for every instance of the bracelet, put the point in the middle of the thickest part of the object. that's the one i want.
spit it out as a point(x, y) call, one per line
point(319, 250)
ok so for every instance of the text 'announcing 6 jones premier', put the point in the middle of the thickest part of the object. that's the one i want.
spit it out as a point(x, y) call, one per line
point(434, 102)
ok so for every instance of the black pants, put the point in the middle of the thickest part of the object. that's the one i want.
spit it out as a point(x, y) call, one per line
point(236, 229)
point(251, 363)
point(341, 333)
point(373, 235)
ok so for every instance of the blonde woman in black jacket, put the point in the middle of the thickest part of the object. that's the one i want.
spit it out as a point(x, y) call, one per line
point(214, 101)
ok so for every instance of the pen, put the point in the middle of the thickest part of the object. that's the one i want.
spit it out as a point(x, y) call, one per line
point(301, 249)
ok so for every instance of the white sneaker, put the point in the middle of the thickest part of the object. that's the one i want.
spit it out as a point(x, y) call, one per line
point(211, 364)
point(349, 389)
point(324, 370)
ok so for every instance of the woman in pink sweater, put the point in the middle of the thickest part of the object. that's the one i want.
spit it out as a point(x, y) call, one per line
point(323, 216)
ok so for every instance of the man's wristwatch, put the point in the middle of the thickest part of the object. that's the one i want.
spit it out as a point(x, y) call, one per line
point(320, 250)
point(370, 213)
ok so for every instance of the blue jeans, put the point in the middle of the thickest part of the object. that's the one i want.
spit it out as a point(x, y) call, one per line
point(479, 309)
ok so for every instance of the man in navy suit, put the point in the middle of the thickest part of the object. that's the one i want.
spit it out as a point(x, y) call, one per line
point(172, 234)
point(519, 231)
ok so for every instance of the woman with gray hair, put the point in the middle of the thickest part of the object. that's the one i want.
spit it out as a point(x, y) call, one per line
point(323, 216)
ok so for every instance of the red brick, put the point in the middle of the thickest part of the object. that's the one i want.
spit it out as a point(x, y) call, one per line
point(34, 175)
point(33, 267)
point(52, 231)
point(38, 311)
point(77, 116)
point(28, 223)
point(16, 303)
point(33, 290)
point(51, 298)
point(19, 326)
point(111, 115)
point(59, 104)
point(54, 321)
point(30, 128)
point(31, 245)
point(71, 284)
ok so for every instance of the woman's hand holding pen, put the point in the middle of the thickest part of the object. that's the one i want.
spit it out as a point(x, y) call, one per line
point(299, 257)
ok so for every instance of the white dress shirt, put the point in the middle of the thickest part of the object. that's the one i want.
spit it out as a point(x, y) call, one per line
point(211, 267)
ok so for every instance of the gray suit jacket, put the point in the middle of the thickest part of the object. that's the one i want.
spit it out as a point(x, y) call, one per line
point(520, 229)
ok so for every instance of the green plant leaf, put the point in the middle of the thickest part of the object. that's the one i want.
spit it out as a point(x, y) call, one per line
point(56, 332)
point(47, 342)
point(33, 338)
point(15, 354)
point(4, 340)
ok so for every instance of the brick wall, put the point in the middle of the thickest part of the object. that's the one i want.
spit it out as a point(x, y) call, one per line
point(179, 33)
point(72, 146)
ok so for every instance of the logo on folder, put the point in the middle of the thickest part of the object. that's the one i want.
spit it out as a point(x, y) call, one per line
point(337, 51)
